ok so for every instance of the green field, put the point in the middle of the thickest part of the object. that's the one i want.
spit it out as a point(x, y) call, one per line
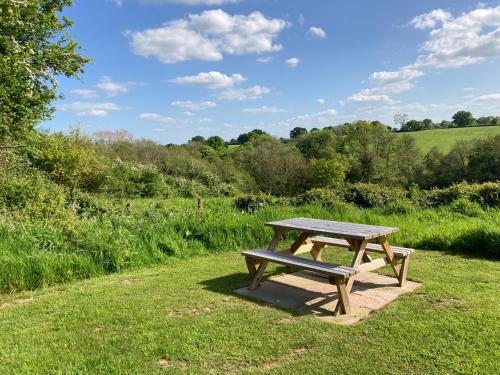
point(184, 318)
point(445, 138)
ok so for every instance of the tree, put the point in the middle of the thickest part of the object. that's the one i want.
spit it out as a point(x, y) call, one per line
point(297, 132)
point(463, 118)
point(400, 119)
point(484, 160)
point(320, 144)
point(326, 172)
point(35, 48)
point(198, 138)
point(427, 123)
point(109, 136)
point(250, 136)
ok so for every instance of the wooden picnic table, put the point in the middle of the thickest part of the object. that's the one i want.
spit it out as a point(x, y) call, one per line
point(359, 238)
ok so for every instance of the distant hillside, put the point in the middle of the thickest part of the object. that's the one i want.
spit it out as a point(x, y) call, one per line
point(445, 138)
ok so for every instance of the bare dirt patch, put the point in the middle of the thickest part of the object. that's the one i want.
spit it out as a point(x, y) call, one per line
point(166, 363)
point(19, 301)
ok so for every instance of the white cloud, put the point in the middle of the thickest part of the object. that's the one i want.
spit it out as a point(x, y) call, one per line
point(112, 88)
point(208, 36)
point(292, 62)
point(317, 32)
point(320, 101)
point(367, 96)
point(93, 113)
point(472, 37)
point(468, 39)
point(487, 97)
point(250, 93)
point(317, 119)
point(431, 19)
point(212, 80)
point(85, 93)
point(99, 109)
point(156, 118)
point(193, 106)
point(265, 59)
point(264, 109)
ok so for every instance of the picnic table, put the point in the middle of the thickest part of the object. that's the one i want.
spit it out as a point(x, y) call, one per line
point(314, 236)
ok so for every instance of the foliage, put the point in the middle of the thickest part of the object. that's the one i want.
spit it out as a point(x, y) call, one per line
point(297, 132)
point(35, 48)
point(255, 202)
point(400, 206)
point(465, 207)
point(463, 118)
point(321, 144)
point(371, 195)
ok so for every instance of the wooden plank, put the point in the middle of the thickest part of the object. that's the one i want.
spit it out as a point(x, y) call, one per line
point(252, 270)
point(352, 230)
point(316, 252)
point(373, 247)
point(390, 255)
point(294, 261)
point(403, 271)
point(345, 307)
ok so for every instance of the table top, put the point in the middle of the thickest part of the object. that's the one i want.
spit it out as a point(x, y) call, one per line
point(333, 228)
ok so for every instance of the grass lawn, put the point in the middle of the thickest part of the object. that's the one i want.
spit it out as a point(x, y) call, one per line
point(445, 138)
point(183, 317)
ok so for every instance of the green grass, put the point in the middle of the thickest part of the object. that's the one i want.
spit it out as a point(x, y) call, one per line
point(445, 138)
point(184, 318)
point(44, 252)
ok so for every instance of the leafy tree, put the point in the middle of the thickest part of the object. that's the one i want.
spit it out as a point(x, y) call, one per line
point(320, 144)
point(297, 132)
point(250, 136)
point(197, 138)
point(35, 48)
point(400, 119)
point(463, 118)
point(326, 172)
point(216, 142)
point(276, 168)
point(427, 123)
point(484, 160)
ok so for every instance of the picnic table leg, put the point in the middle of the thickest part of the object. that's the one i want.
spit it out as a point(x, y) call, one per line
point(359, 250)
point(257, 276)
point(392, 260)
point(316, 251)
point(344, 305)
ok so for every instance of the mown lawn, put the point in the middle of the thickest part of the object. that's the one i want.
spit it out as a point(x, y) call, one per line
point(444, 139)
point(183, 317)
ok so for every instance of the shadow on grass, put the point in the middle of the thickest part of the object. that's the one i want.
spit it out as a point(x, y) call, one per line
point(227, 285)
point(476, 243)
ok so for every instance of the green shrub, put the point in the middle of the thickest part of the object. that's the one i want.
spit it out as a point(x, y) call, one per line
point(134, 180)
point(252, 203)
point(487, 194)
point(372, 195)
point(466, 207)
point(321, 196)
point(399, 206)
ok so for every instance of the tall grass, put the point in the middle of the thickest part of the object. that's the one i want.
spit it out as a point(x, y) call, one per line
point(36, 253)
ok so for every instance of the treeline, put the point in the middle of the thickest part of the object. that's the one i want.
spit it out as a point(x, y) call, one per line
point(461, 119)
point(361, 152)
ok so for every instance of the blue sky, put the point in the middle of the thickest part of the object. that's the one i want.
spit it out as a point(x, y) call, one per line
point(171, 69)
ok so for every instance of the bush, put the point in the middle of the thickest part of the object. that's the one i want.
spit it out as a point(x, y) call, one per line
point(400, 206)
point(465, 207)
point(320, 195)
point(372, 195)
point(133, 180)
point(487, 193)
point(252, 203)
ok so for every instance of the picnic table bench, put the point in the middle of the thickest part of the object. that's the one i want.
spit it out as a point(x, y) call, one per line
point(314, 236)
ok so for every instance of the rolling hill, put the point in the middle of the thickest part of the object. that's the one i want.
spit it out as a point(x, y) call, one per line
point(445, 138)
